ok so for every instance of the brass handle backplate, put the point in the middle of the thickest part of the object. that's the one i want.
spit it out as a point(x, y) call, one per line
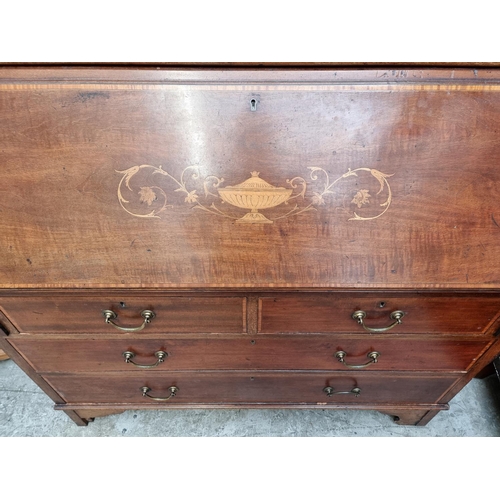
point(173, 391)
point(372, 356)
point(160, 355)
point(146, 314)
point(330, 391)
point(397, 316)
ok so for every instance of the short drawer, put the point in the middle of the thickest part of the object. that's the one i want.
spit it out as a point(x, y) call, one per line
point(314, 352)
point(85, 314)
point(422, 313)
point(250, 387)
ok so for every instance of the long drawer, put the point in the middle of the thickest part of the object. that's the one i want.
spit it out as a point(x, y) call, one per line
point(312, 352)
point(250, 387)
point(421, 313)
point(171, 314)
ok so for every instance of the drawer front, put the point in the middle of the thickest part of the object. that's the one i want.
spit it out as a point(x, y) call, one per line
point(85, 314)
point(423, 313)
point(269, 353)
point(250, 387)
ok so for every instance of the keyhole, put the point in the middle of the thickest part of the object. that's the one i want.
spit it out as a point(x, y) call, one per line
point(253, 104)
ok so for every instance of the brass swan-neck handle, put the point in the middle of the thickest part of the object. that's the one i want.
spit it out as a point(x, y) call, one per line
point(397, 316)
point(372, 356)
point(160, 355)
point(330, 391)
point(111, 315)
point(173, 391)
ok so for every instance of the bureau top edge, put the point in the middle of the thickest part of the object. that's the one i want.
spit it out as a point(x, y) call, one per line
point(258, 64)
point(9, 290)
point(12, 74)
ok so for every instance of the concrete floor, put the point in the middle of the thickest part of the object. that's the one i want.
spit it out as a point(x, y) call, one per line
point(26, 411)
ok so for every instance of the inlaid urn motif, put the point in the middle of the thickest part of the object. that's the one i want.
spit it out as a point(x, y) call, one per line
point(254, 194)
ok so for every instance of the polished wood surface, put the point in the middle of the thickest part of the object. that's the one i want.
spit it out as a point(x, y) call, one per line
point(84, 314)
point(426, 139)
point(424, 313)
point(253, 211)
point(104, 353)
point(242, 387)
point(428, 313)
point(262, 65)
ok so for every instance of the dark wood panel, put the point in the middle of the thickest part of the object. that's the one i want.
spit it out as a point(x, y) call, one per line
point(240, 387)
point(395, 181)
point(423, 314)
point(91, 354)
point(84, 314)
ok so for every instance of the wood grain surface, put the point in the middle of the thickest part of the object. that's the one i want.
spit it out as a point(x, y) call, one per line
point(420, 211)
point(104, 353)
point(84, 314)
point(247, 387)
point(431, 313)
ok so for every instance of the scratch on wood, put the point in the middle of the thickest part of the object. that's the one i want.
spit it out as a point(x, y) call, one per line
point(494, 221)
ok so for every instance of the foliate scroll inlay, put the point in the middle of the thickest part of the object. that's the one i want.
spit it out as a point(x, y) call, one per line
point(253, 195)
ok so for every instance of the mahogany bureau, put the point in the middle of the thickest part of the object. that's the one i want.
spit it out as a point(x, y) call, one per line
point(263, 237)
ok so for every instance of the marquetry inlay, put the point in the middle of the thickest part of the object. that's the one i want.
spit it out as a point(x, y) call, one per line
point(252, 195)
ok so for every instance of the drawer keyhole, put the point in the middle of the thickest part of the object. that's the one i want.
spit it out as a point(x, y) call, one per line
point(253, 104)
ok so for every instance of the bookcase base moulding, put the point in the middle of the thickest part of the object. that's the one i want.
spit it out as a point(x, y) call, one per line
point(187, 237)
